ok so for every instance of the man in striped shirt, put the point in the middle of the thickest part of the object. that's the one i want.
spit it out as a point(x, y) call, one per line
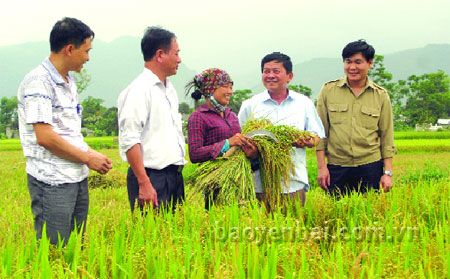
point(58, 159)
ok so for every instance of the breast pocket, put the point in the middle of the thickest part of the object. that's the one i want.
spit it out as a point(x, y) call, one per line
point(70, 119)
point(337, 113)
point(370, 117)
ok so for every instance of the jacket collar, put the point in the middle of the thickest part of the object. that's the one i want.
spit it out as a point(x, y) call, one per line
point(343, 82)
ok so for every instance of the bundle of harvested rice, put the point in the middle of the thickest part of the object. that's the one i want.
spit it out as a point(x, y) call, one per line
point(232, 176)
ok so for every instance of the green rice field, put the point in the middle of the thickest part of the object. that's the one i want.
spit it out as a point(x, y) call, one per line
point(400, 234)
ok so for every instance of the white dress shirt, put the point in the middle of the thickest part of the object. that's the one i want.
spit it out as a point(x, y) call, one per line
point(297, 111)
point(44, 97)
point(148, 115)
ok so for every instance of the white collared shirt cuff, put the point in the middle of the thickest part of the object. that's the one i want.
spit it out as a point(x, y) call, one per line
point(127, 141)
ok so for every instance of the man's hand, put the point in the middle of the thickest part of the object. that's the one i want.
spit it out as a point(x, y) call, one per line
point(323, 178)
point(250, 150)
point(53, 142)
point(98, 162)
point(386, 182)
point(147, 193)
point(305, 142)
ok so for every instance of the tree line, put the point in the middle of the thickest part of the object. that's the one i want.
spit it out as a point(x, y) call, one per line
point(416, 100)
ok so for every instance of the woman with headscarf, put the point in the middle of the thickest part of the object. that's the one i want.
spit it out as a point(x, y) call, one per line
point(214, 128)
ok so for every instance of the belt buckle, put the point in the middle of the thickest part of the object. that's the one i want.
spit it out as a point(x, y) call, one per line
point(180, 168)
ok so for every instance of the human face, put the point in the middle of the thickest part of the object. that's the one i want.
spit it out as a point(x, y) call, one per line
point(79, 55)
point(356, 68)
point(170, 59)
point(275, 78)
point(223, 94)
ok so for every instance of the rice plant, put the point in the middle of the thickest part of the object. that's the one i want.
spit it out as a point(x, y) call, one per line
point(400, 234)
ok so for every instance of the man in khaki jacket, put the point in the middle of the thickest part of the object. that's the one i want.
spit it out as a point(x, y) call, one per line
point(357, 116)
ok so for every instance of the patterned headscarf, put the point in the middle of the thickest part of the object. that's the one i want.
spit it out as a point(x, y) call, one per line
point(208, 81)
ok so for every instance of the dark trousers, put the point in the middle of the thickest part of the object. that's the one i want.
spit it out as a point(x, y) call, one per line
point(210, 198)
point(62, 208)
point(344, 180)
point(168, 184)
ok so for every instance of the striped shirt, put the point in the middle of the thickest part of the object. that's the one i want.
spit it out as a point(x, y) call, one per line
point(44, 97)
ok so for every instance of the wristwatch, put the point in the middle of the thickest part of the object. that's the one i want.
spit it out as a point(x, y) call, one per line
point(386, 172)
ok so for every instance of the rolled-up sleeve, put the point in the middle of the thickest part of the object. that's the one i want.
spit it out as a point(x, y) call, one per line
point(313, 122)
point(132, 117)
point(386, 124)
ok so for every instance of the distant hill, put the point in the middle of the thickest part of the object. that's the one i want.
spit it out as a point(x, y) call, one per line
point(114, 66)
point(401, 65)
point(117, 63)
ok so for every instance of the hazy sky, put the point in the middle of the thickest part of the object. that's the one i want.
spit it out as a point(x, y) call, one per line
point(233, 33)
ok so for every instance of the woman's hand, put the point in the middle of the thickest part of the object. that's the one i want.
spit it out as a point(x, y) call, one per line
point(245, 143)
point(238, 140)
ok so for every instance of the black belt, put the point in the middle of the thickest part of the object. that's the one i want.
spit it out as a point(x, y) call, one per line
point(177, 168)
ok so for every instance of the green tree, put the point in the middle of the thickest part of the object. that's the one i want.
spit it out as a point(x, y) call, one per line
point(108, 124)
point(380, 76)
point(238, 97)
point(396, 91)
point(96, 117)
point(8, 114)
point(184, 108)
point(305, 90)
point(82, 80)
point(92, 112)
point(427, 97)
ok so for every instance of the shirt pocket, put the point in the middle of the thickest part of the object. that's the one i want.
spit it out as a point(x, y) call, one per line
point(69, 119)
point(337, 113)
point(370, 117)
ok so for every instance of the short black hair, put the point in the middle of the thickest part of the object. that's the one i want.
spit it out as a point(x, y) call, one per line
point(155, 38)
point(358, 46)
point(69, 31)
point(279, 57)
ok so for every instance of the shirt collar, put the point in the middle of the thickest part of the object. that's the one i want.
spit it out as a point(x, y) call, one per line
point(343, 82)
point(266, 96)
point(54, 74)
point(205, 108)
point(154, 79)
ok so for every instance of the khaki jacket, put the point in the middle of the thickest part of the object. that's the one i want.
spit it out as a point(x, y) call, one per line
point(359, 129)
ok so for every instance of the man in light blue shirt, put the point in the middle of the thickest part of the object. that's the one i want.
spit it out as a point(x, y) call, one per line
point(284, 106)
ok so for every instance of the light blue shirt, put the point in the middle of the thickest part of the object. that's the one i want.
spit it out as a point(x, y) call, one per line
point(296, 110)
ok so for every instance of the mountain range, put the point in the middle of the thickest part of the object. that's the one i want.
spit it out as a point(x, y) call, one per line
point(118, 62)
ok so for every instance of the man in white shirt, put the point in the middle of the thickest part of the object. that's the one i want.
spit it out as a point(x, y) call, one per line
point(150, 127)
point(58, 159)
point(284, 106)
